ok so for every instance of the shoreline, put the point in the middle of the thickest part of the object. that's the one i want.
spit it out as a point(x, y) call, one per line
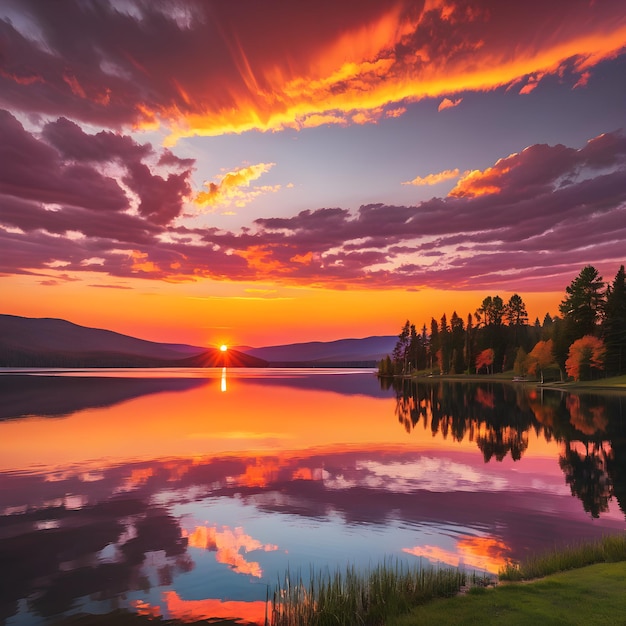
point(611, 383)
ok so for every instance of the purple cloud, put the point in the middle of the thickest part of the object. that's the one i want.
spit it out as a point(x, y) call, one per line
point(34, 170)
point(550, 209)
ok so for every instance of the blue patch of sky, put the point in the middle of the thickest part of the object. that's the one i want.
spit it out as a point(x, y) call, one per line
point(335, 166)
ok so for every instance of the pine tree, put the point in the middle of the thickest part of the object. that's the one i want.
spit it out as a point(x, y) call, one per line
point(583, 302)
point(614, 324)
point(515, 311)
point(401, 349)
point(458, 343)
point(434, 343)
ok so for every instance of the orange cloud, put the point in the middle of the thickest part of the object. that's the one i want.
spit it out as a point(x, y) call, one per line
point(284, 65)
point(532, 84)
point(259, 474)
point(227, 545)
point(483, 553)
point(357, 72)
point(253, 612)
point(233, 188)
point(446, 103)
point(477, 183)
point(433, 179)
point(305, 259)
point(260, 258)
point(397, 112)
point(583, 80)
point(140, 263)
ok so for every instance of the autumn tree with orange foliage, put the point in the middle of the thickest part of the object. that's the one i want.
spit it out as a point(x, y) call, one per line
point(540, 358)
point(585, 354)
point(485, 359)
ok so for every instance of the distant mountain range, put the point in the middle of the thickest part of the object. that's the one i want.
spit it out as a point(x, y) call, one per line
point(48, 342)
point(343, 352)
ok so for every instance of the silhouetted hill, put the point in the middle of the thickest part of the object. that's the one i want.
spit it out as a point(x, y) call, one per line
point(348, 352)
point(47, 342)
point(215, 358)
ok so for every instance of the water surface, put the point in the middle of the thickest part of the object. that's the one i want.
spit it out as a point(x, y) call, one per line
point(187, 493)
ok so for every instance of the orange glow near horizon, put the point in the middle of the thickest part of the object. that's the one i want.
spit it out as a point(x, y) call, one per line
point(143, 429)
point(179, 312)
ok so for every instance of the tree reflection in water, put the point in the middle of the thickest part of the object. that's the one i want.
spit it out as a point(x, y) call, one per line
point(498, 418)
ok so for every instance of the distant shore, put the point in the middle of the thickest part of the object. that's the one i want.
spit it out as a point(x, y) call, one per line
point(610, 383)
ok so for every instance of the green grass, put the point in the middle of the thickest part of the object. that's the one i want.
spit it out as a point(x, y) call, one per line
point(369, 597)
point(611, 381)
point(608, 549)
point(595, 594)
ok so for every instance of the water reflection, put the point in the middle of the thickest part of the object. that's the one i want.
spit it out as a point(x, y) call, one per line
point(173, 498)
point(59, 396)
point(498, 418)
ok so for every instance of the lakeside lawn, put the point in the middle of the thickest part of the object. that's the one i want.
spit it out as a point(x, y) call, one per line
point(616, 383)
point(595, 594)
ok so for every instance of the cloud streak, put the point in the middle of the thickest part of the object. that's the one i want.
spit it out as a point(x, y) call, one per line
point(433, 179)
point(350, 64)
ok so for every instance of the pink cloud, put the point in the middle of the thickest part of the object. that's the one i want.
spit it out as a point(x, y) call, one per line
point(532, 216)
point(32, 169)
point(61, 169)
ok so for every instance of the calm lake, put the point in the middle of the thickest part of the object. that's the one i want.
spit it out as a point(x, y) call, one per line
point(187, 493)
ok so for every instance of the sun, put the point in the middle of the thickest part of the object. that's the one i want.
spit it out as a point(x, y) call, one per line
point(223, 348)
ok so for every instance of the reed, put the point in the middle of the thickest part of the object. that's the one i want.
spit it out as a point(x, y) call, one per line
point(359, 597)
point(610, 548)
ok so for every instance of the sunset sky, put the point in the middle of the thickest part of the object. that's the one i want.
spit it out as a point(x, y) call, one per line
point(270, 172)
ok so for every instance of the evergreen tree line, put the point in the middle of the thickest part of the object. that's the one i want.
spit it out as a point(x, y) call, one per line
point(587, 340)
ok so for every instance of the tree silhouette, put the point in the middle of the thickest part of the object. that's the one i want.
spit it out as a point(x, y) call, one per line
point(587, 477)
point(584, 301)
point(614, 324)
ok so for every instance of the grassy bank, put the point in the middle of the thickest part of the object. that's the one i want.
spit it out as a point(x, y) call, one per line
point(590, 595)
point(357, 597)
point(609, 549)
point(617, 383)
point(610, 383)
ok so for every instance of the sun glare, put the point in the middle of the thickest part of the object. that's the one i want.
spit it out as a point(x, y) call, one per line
point(223, 348)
